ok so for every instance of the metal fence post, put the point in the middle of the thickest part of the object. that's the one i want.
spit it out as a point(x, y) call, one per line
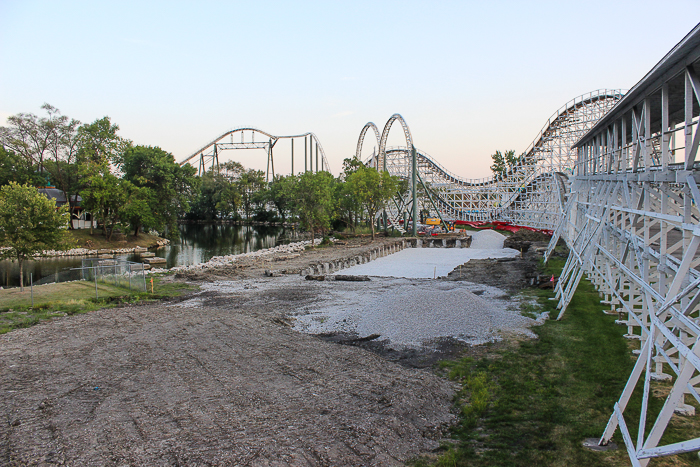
point(31, 282)
point(94, 270)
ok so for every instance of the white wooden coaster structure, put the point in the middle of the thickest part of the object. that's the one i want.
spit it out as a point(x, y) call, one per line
point(531, 193)
point(633, 227)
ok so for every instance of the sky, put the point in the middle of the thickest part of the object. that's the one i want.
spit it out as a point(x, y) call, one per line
point(469, 77)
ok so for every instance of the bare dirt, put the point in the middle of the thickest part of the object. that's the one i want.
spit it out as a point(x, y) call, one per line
point(217, 379)
point(251, 267)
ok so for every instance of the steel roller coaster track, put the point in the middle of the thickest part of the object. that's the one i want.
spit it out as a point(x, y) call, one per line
point(208, 155)
point(533, 192)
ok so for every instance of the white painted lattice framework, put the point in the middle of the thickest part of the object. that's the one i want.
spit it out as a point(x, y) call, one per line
point(633, 227)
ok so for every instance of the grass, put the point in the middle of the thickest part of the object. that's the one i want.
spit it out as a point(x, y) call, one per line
point(69, 298)
point(533, 402)
point(81, 238)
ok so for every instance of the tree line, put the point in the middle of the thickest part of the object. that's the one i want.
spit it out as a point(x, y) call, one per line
point(142, 188)
point(121, 184)
point(318, 201)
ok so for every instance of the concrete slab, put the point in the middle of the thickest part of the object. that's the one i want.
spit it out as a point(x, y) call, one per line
point(425, 263)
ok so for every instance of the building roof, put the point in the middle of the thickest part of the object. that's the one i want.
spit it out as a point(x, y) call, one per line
point(59, 196)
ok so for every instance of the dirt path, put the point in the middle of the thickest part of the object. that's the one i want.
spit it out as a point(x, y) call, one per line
point(225, 382)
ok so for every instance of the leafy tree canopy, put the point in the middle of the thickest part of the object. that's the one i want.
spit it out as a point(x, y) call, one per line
point(171, 186)
point(503, 163)
point(280, 194)
point(313, 201)
point(372, 189)
point(15, 168)
point(29, 223)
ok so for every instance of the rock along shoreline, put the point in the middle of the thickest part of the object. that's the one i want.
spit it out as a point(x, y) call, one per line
point(102, 251)
point(218, 261)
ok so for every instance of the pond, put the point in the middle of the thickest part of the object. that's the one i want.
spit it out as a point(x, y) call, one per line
point(197, 244)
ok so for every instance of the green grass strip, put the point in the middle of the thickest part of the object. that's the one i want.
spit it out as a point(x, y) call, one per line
point(533, 402)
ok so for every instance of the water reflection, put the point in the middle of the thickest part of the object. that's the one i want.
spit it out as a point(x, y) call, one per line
point(197, 244)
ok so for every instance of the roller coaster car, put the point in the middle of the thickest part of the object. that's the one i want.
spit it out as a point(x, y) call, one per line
point(433, 221)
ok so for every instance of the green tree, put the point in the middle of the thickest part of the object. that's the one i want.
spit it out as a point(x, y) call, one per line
point(106, 197)
point(503, 163)
point(313, 201)
point(29, 224)
point(136, 211)
point(63, 151)
point(280, 194)
point(350, 166)
point(31, 136)
point(372, 189)
point(171, 185)
point(347, 206)
point(218, 195)
point(15, 168)
point(229, 198)
point(249, 184)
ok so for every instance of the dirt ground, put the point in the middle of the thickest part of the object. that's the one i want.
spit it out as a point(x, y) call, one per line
point(221, 380)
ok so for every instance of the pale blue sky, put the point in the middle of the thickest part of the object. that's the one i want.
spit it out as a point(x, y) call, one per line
point(468, 77)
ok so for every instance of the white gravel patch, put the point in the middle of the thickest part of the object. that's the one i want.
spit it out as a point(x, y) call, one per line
point(429, 263)
point(412, 313)
point(487, 240)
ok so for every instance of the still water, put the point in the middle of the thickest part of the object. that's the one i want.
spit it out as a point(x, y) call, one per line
point(197, 244)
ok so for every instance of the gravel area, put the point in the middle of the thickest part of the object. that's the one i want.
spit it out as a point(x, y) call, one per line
point(413, 313)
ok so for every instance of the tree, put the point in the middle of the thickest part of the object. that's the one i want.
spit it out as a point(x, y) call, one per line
point(63, 149)
point(228, 199)
point(347, 205)
point(280, 192)
point(136, 211)
point(29, 224)
point(313, 201)
point(372, 189)
point(249, 184)
point(503, 163)
point(106, 196)
point(32, 137)
point(218, 195)
point(171, 185)
point(15, 168)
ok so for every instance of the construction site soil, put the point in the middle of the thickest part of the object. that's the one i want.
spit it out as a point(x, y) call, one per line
point(222, 379)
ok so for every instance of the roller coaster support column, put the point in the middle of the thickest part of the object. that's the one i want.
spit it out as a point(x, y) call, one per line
point(272, 159)
point(414, 190)
point(306, 169)
point(292, 156)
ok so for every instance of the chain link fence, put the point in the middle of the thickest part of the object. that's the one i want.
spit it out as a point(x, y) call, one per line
point(116, 272)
